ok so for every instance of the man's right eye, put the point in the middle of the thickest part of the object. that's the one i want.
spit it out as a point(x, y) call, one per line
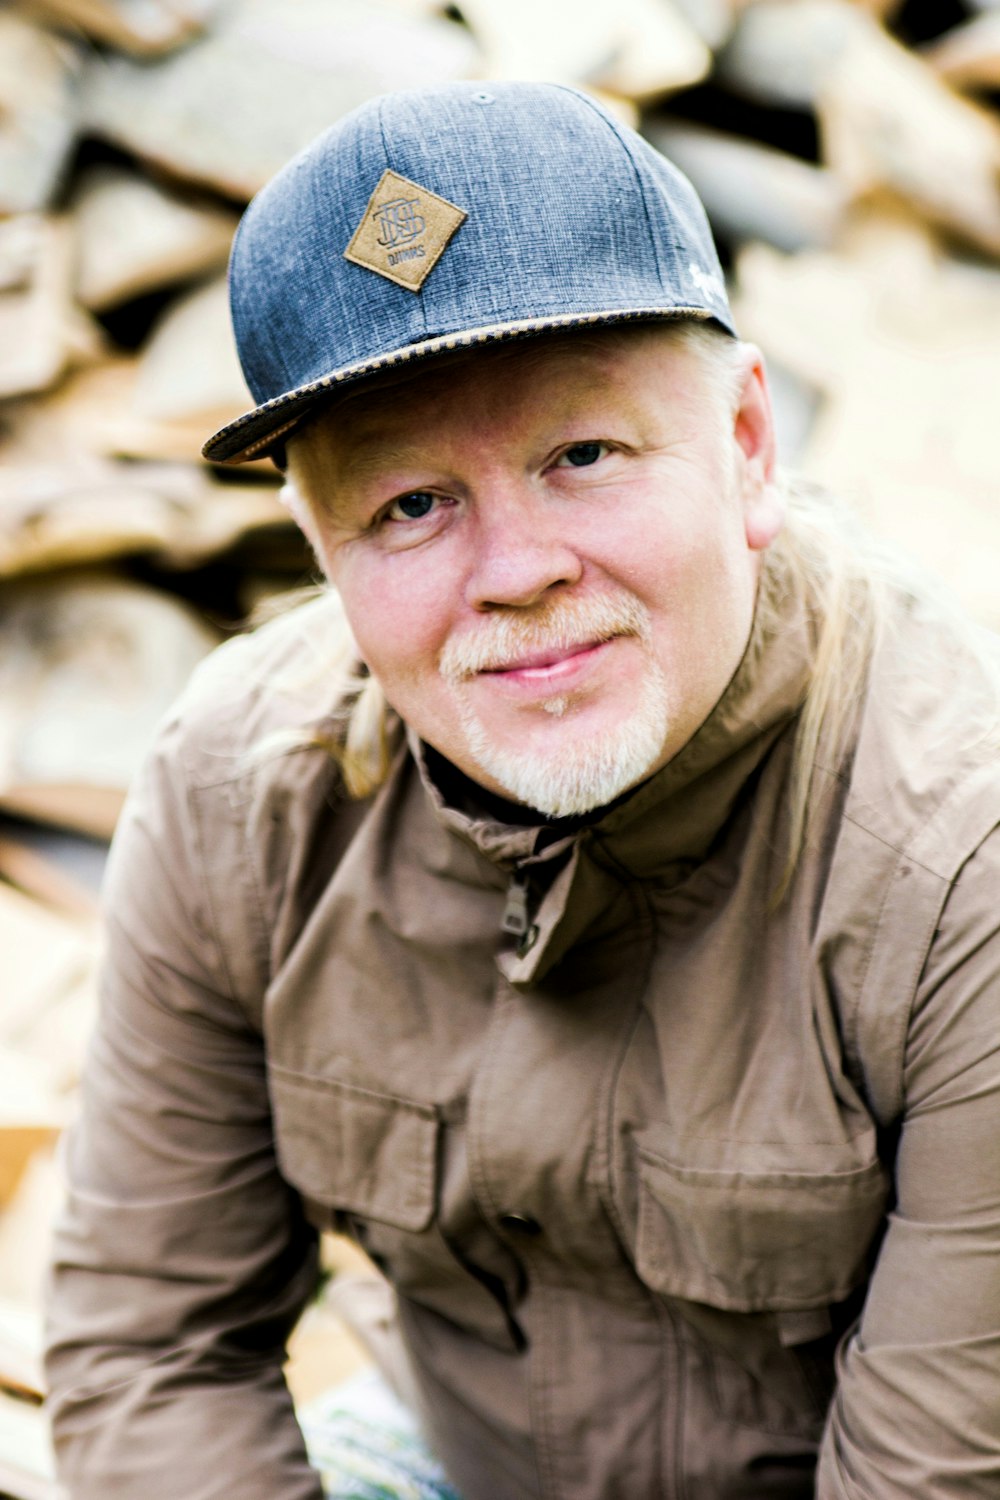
point(582, 455)
point(412, 507)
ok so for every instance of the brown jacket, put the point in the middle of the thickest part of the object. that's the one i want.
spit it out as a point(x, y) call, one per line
point(634, 1177)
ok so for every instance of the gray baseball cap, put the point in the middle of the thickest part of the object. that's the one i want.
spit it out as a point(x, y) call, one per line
point(447, 217)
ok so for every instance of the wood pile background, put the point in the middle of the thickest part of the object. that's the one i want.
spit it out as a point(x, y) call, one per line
point(849, 157)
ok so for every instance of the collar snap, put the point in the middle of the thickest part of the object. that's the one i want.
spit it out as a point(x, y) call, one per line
point(522, 1225)
point(528, 941)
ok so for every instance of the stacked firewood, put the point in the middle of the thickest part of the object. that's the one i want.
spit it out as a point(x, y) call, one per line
point(849, 157)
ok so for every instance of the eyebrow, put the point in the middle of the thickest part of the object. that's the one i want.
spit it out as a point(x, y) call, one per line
point(369, 455)
point(373, 462)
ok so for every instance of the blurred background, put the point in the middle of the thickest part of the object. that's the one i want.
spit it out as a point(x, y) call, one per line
point(848, 154)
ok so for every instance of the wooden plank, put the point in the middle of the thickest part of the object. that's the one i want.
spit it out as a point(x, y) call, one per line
point(636, 48)
point(42, 331)
point(751, 191)
point(88, 665)
point(888, 122)
point(45, 957)
point(284, 72)
point(968, 55)
point(25, 1233)
point(143, 27)
point(45, 880)
point(135, 236)
point(39, 114)
point(901, 341)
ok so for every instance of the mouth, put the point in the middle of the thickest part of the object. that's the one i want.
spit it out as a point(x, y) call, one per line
point(546, 672)
point(544, 661)
point(523, 651)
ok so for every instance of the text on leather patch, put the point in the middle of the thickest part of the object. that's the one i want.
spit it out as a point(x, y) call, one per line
point(404, 231)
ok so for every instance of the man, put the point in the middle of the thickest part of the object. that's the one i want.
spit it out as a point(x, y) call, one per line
point(602, 930)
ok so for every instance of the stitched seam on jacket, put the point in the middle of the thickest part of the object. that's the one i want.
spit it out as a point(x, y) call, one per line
point(245, 1003)
point(198, 849)
point(959, 791)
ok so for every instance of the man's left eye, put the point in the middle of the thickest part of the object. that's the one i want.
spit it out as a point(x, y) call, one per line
point(581, 455)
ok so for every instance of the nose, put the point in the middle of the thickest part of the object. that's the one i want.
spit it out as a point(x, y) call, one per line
point(523, 548)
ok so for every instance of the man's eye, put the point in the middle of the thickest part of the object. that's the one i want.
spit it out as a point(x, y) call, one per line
point(581, 455)
point(412, 507)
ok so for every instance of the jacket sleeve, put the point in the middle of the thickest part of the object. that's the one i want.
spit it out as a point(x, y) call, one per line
point(917, 1408)
point(182, 1258)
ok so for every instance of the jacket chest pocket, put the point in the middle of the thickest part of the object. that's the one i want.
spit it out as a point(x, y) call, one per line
point(366, 1164)
point(753, 1241)
point(768, 1266)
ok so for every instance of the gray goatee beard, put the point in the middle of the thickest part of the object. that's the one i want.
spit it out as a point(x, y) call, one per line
point(573, 775)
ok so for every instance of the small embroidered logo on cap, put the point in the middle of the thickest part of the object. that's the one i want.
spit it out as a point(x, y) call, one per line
point(404, 231)
point(707, 282)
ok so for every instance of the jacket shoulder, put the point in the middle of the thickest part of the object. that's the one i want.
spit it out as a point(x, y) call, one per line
point(246, 816)
point(925, 772)
point(922, 796)
point(257, 690)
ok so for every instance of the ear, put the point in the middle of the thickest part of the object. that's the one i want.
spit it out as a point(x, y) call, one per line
point(298, 508)
point(291, 498)
point(753, 430)
point(293, 502)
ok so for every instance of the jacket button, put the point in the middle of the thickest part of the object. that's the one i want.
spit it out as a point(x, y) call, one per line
point(522, 1224)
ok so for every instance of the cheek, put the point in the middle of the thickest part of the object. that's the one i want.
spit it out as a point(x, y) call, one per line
point(671, 553)
point(399, 620)
point(700, 580)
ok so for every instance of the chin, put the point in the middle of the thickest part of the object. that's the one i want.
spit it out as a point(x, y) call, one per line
point(582, 769)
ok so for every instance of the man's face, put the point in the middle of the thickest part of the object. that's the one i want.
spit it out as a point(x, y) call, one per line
point(548, 554)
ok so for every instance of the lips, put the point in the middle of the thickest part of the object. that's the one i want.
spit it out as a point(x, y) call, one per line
point(544, 673)
point(514, 645)
point(544, 658)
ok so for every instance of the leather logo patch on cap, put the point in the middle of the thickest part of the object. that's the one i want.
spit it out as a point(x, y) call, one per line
point(404, 231)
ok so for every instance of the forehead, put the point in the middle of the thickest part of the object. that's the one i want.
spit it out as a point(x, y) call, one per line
point(509, 387)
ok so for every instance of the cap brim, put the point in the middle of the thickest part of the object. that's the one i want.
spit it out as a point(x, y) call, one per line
point(255, 433)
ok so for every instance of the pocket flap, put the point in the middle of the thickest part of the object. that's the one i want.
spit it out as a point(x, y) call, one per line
point(367, 1153)
point(756, 1241)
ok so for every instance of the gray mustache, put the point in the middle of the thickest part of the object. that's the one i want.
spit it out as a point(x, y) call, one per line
point(557, 626)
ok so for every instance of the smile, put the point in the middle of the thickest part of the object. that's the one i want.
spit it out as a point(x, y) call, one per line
point(548, 667)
